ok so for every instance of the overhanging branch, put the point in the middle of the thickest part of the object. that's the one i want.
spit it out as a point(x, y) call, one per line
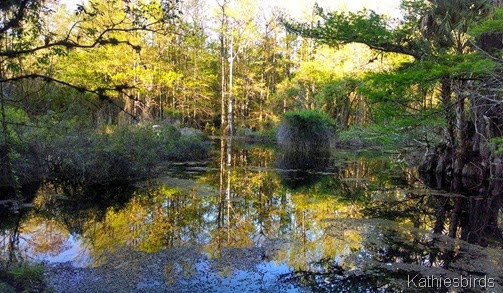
point(100, 91)
point(70, 44)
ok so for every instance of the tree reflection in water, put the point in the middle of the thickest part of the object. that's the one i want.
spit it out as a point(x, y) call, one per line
point(355, 222)
point(475, 208)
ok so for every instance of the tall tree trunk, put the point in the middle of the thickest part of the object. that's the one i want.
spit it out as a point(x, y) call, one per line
point(260, 118)
point(222, 90)
point(446, 91)
point(461, 143)
point(223, 58)
point(5, 147)
point(230, 111)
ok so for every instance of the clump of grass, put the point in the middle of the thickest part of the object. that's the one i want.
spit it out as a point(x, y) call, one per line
point(306, 132)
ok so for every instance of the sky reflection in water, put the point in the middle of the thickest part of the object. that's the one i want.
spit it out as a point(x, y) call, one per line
point(360, 222)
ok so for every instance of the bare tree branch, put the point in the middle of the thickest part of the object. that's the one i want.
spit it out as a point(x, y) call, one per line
point(18, 17)
point(100, 91)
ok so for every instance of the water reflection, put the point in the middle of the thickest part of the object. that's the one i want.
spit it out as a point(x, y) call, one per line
point(473, 212)
point(357, 222)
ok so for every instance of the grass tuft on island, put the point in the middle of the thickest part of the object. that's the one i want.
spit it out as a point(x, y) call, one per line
point(306, 131)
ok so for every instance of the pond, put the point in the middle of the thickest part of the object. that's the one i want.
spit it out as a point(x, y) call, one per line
point(249, 220)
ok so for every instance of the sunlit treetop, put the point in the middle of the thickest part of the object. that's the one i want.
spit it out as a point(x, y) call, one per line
point(426, 27)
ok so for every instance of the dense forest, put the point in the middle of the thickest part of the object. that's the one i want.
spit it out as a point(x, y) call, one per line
point(431, 76)
point(112, 67)
point(103, 93)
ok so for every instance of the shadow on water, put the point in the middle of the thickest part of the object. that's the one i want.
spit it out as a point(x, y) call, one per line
point(473, 211)
point(259, 218)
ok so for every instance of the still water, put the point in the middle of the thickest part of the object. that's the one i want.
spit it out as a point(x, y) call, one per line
point(251, 220)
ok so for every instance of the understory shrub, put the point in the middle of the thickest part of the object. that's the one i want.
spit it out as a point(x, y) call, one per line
point(191, 147)
point(112, 155)
point(306, 131)
point(92, 158)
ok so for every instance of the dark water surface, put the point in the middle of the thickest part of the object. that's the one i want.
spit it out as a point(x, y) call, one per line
point(250, 220)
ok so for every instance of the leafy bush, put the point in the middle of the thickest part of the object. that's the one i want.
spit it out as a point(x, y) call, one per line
point(111, 155)
point(92, 158)
point(190, 147)
point(306, 132)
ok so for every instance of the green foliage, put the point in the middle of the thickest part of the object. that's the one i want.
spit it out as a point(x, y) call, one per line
point(112, 155)
point(22, 277)
point(378, 78)
point(498, 142)
point(408, 97)
point(393, 135)
point(405, 103)
point(172, 113)
point(178, 147)
point(491, 25)
point(91, 158)
point(365, 27)
point(193, 147)
point(306, 131)
point(340, 100)
point(308, 119)
point(425, 30)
